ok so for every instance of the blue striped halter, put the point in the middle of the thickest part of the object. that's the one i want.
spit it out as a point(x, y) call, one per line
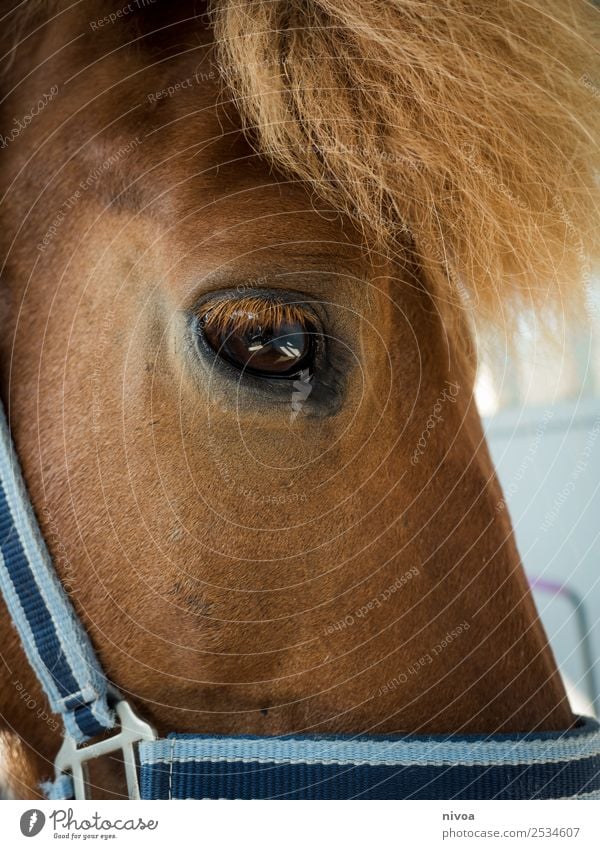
point(513, 766)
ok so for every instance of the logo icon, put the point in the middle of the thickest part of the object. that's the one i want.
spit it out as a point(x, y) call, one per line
point(32, 822)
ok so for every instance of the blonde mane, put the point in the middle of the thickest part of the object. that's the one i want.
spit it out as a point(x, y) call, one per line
point(461, 136)
point(466, 131)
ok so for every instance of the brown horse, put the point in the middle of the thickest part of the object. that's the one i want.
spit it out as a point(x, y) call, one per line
point(242, 249)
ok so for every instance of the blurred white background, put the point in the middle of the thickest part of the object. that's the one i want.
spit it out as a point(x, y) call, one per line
point(541, 408)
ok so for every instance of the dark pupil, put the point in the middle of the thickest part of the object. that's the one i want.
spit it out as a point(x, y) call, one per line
point(277, 351)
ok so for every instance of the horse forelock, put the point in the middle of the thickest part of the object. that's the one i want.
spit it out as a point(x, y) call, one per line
point(466, 132)
point(467, 127)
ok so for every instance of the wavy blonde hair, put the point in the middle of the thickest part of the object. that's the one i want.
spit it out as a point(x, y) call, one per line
point(465, 130)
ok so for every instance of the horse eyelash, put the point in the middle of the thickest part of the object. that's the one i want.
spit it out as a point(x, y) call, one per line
point(244, 314)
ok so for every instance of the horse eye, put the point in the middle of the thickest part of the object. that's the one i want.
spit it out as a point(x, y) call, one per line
point(267, 346)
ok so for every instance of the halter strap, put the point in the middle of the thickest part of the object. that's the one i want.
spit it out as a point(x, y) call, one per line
point(536, 765)
point(58, 648)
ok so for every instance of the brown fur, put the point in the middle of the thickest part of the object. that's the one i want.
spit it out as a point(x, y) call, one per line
point(463, 129)
point(211, 545)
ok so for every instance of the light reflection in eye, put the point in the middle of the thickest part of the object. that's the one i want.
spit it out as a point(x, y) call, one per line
point(274, 340)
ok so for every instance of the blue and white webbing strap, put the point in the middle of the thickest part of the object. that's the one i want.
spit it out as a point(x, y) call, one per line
point(56, 644)
point(521, 766)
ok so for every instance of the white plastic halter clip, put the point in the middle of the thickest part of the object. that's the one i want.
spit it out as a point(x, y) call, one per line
point(72, 760)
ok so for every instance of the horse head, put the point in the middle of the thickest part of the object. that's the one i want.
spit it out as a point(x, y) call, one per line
point(242, 251)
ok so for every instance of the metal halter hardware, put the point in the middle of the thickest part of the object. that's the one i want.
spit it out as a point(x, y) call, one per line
point(72, 760)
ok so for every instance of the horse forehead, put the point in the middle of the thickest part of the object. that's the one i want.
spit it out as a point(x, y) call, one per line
point(193, 163)
point(133, 72)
